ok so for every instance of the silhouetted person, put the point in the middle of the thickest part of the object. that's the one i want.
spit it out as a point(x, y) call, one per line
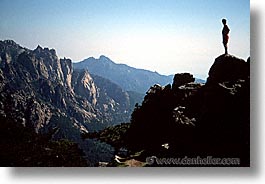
point(225, 33)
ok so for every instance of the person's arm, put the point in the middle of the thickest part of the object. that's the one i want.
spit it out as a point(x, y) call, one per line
point(227, 29)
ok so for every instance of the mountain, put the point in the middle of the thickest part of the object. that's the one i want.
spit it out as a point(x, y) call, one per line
point(197, 80)
point(42, 92)
point(38, 81)
point(129, 78)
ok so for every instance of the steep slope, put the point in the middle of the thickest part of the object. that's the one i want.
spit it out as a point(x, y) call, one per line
point(22, 147)
point(129, 78)
point(36, 86)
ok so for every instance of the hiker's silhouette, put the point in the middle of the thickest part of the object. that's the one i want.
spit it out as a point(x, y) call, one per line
point(225, 33)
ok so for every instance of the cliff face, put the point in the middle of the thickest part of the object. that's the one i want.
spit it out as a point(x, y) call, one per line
point(41, 91)
point(195, 119)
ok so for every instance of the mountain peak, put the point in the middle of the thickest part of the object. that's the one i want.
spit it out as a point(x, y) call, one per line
point(10, 48)
point(102, 57)
point(129, 78)
point(105, 59)
point(10, 42)
point(39, 49)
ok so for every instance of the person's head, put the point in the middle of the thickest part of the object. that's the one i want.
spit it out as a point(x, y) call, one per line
point(224, 21)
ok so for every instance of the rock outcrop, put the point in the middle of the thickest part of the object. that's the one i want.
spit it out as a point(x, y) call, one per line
point(228, 68)
point(181, 79)
point(195, 119)
point(154, 122)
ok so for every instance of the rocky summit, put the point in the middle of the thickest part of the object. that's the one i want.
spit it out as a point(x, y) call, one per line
point(194, 119)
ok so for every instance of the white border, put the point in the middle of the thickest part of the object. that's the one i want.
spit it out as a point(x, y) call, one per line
point(255, 174)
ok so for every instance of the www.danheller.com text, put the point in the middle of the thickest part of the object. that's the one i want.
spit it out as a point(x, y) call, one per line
point(200, 161)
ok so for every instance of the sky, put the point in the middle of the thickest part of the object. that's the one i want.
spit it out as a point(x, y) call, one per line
point(167, 36)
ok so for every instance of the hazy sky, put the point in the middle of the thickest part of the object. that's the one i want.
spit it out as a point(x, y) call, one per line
point(167, 36)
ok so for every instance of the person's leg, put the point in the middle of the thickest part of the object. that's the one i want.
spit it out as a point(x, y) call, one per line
point(225, 46)
point(226, 49)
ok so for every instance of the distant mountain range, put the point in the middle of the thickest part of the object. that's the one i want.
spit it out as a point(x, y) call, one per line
point(129, 78)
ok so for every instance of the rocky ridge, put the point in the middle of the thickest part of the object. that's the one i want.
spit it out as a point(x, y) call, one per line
point(38, 81)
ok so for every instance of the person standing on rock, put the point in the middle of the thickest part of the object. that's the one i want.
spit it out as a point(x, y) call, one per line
point(225, 33)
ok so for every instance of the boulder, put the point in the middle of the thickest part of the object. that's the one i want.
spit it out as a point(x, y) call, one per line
point(228, 68)
point(181, 79)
